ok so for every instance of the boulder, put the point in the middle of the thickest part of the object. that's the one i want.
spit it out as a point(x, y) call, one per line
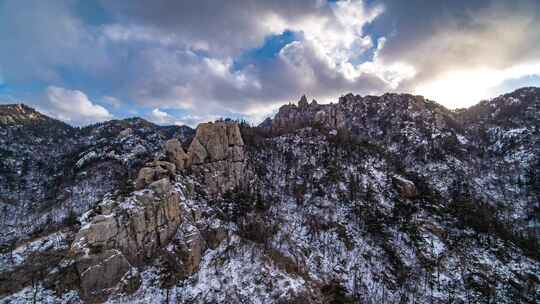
point(125, 133)
point(101, 273)
point(154, 171)
point(216, 141)
point(145, 177)
point(161, 187)
point(406, 188)
point(197, 153)
point(176, 155)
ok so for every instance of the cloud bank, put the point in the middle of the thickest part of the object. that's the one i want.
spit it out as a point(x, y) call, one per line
point(180, 61)
point(73, 106)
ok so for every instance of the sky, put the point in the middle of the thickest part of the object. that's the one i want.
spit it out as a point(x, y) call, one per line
point(185, 62)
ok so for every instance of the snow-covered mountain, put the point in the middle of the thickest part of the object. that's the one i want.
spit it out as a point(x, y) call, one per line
point(374, 199)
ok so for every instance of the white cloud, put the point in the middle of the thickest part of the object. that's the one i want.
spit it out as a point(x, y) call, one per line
point(194, 120)
point(73, 106)
point(160, 117)
point(335, 40)
point(167, 68)
point(161, 59)
point(136, 33)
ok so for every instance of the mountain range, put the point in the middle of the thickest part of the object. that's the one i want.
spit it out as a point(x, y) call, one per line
point(372, 199)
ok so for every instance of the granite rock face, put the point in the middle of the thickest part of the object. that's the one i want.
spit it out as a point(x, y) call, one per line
point(139, 225)
point(102, 273)
point(119, 235)
point(19, 113)
point(216, 142)
point(184, 254)
point(217, 155)
point(176, 155)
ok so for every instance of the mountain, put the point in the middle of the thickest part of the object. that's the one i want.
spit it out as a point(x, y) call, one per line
point(50, 170)
point(373, 199)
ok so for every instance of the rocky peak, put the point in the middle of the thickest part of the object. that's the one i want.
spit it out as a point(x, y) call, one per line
point(292, 117)
point(154, 171)
point(216, 142)
point(348, 98)
point(303, 103)
point(509, 110)
point(18, 114)
point(353, 112)
point(216, 156)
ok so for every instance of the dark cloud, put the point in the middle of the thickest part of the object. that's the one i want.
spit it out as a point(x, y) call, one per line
point(40, 38)
point(186, 59)
point(221, 27)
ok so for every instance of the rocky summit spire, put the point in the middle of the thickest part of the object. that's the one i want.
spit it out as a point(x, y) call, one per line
point(303, 103)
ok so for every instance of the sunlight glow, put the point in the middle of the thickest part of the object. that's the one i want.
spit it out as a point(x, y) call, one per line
point(460, 89)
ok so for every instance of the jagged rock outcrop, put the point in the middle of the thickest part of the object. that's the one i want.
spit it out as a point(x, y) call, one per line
point(217, 155)
point(103, 273)
point(184, 254)
point(119, 235)
point(19, 114)
point(303, 103)
point(154, 171)
point(138, 226)
point(290, 116)
point(216, 141)
point(355, 112)
point(176, 155)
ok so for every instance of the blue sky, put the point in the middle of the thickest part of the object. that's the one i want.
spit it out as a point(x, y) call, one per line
point(179, 62)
